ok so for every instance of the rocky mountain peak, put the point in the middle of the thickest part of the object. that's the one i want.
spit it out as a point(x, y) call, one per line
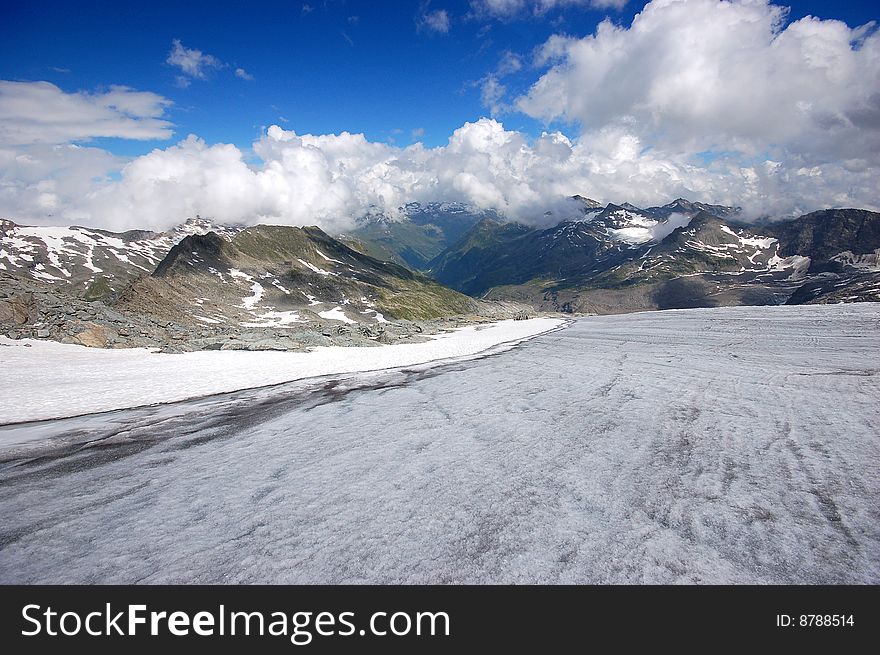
point(588, 203)
point(196, 251)
point(201, 225)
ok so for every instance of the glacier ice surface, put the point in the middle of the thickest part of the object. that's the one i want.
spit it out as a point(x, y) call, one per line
point(735, 445)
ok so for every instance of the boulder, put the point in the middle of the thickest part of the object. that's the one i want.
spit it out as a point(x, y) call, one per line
point(93, 336)
point(13, 311)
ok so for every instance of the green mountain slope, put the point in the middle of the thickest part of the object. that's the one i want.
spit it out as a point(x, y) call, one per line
point(417, 236)
point(276, 275)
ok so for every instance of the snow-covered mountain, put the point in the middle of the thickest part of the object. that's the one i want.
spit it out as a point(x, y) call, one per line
point(206, 286)
point(495, 254)
point(688, 208)
point(92, 263)
point(634, 226)
point(420, 232)
point(623, 258)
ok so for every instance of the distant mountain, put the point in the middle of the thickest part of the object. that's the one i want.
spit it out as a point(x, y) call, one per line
point(272, 276)
point(688, 208)
point(419, 234)
point(91, 263)
point(843, 236)
point(844, 250)
point(588, 203)
point(684, 254)
point(496, 253)
point(853, 286)
point(476, 261)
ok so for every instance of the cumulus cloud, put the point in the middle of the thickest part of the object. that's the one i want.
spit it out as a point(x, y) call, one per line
point(40, 112)
point(330, 180)
point(42, 182)
point(698, 75)
point(510, 9)
point(193, 63)
point(326, 179)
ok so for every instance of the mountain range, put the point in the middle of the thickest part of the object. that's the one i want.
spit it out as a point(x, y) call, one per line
point(619, 258)
point(204, 285)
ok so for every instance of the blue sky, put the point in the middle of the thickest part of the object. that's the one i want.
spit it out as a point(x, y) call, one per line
point(732, 101)
point(390, 76)
point(354, 65)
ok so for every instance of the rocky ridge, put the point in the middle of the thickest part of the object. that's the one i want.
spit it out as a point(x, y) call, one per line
point(260, 288)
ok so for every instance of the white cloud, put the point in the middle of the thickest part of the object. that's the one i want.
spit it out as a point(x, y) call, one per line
point(434, 21)
point(696, 75)
point(40, 112)
point(511, 9)
point(510, 63)
point(41, 182)
point(243, 74)
point(329, 180)
point(194, 63)
point(492, 94)
point(492, 90)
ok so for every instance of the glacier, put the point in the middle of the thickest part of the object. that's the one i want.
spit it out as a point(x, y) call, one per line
point(727, 445)
point(44, 379)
